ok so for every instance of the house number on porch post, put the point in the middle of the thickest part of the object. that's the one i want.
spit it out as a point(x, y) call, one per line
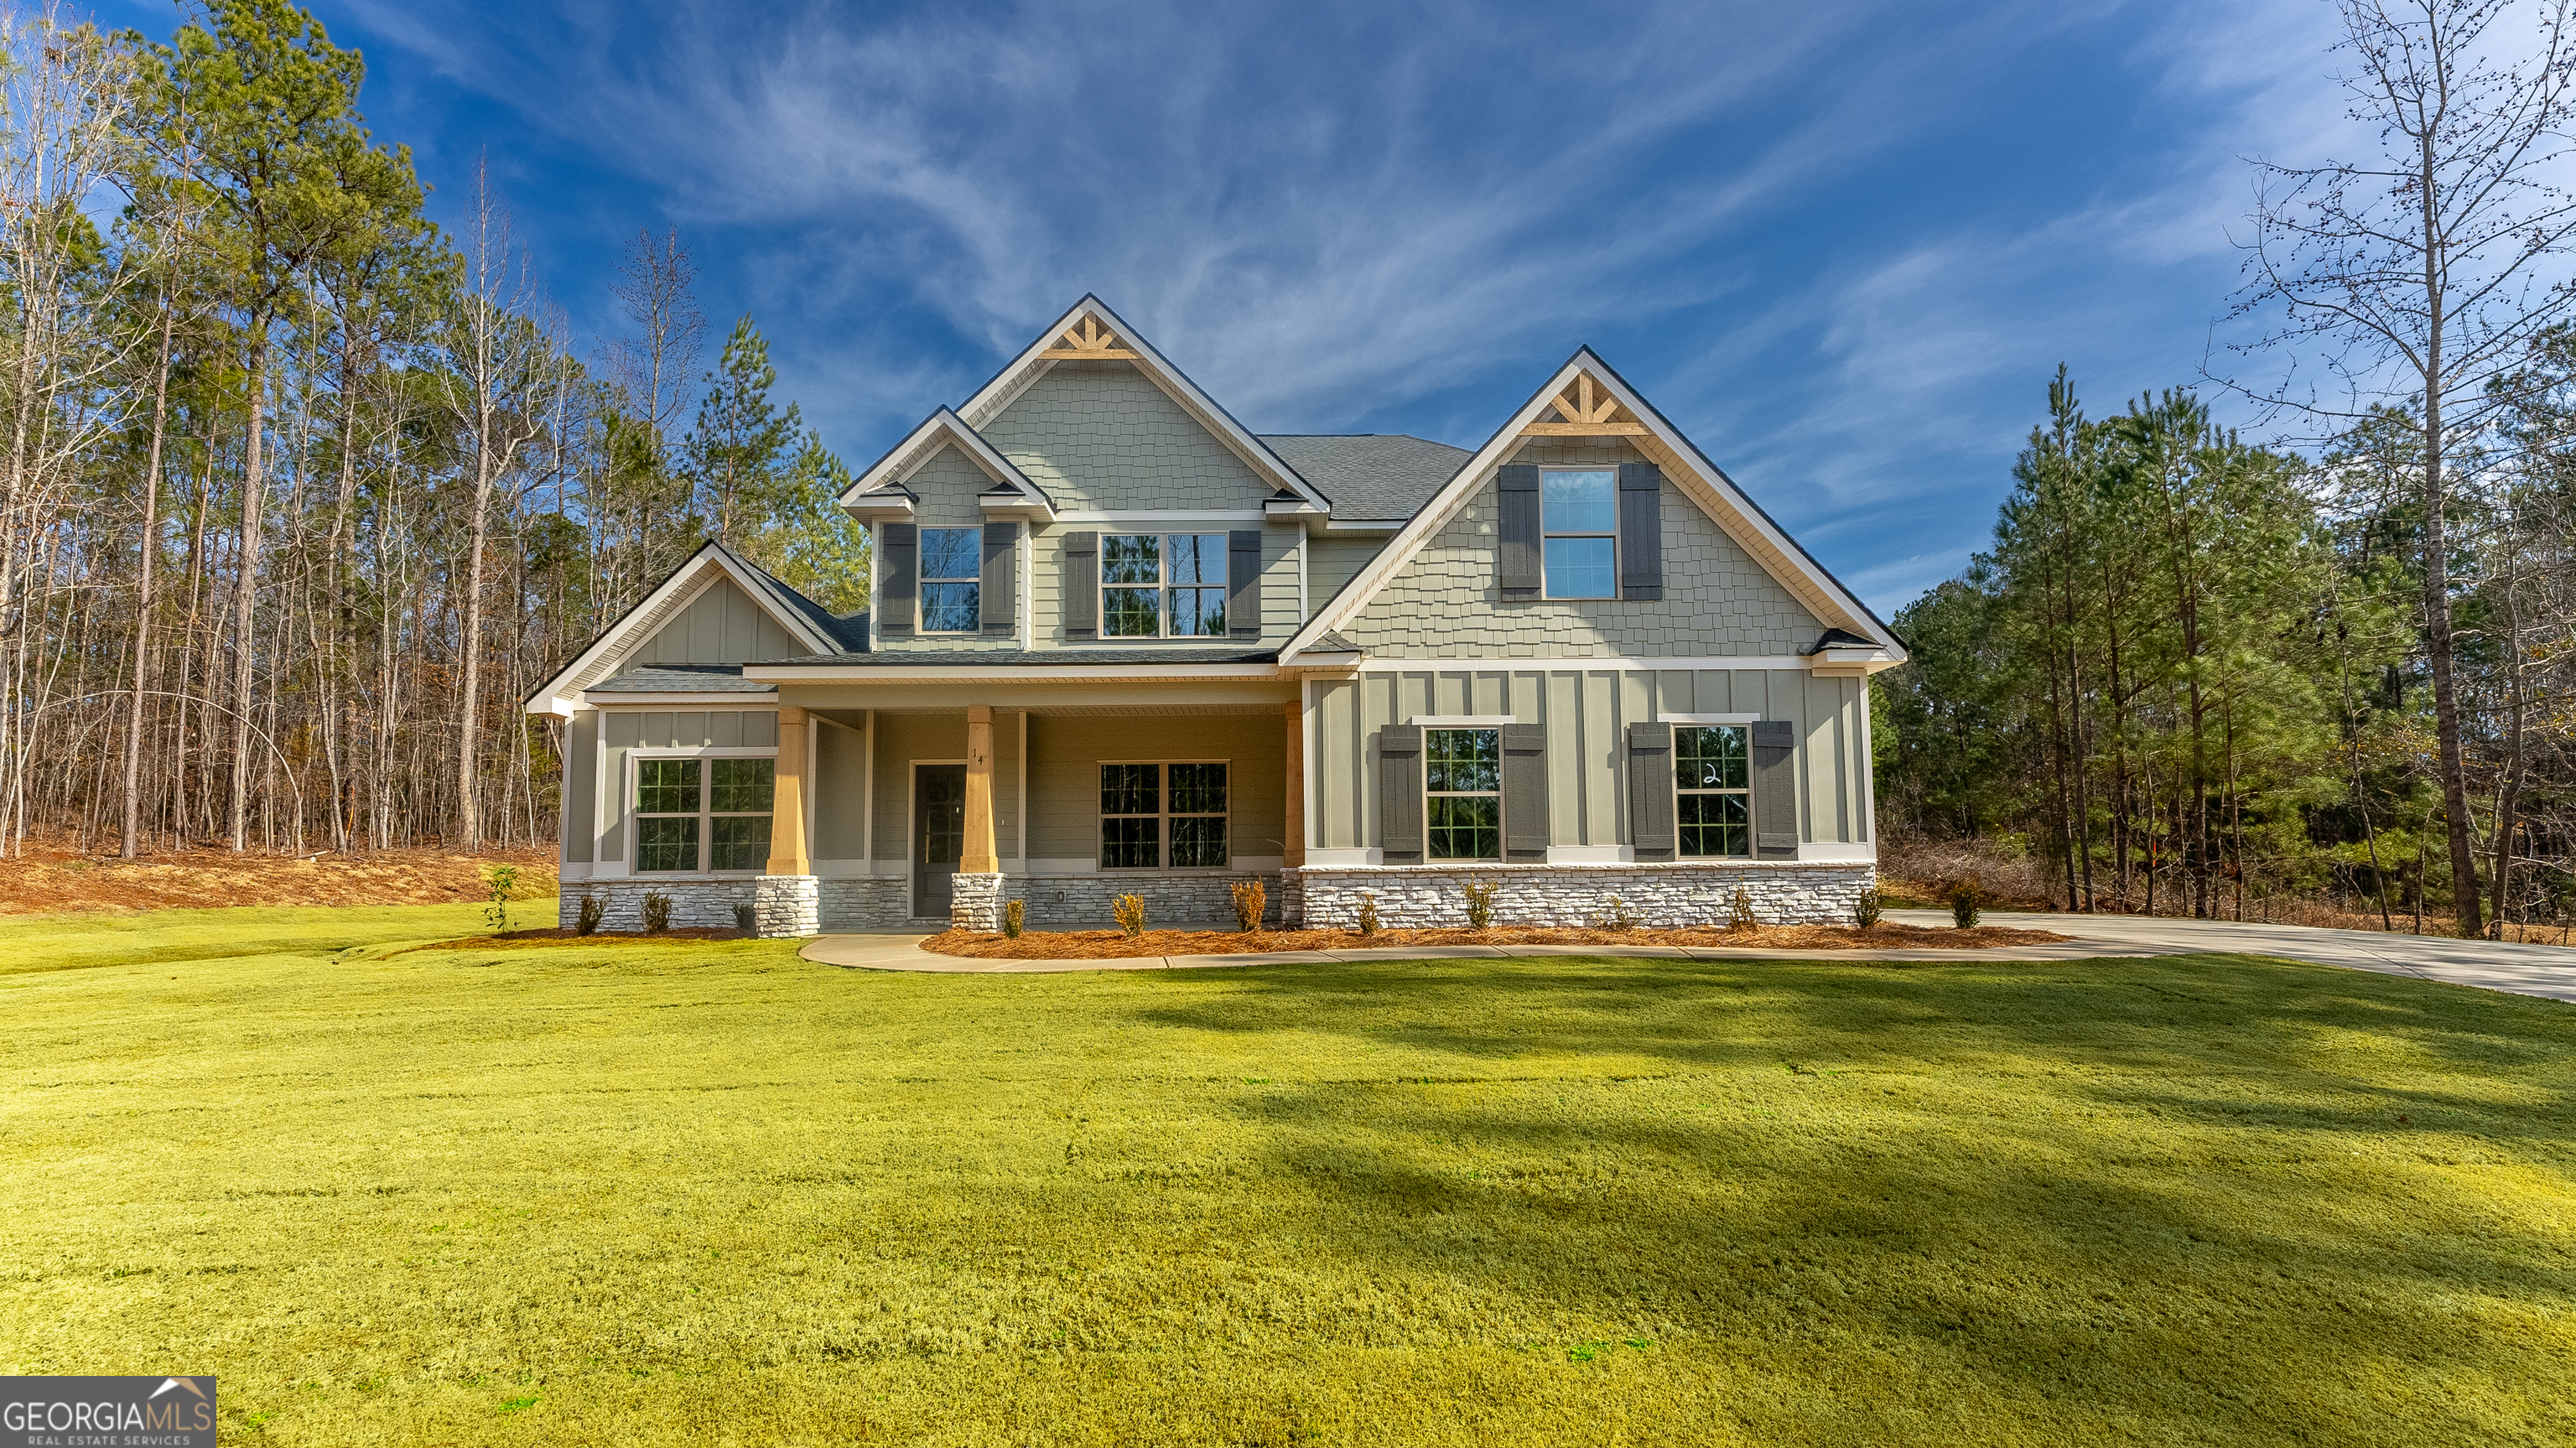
point(979, 856)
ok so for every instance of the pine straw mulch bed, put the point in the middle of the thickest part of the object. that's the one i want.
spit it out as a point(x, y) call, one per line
point(558, 935)
point(52, 879)
point(1112, 945)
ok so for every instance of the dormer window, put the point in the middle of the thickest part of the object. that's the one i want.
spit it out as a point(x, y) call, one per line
point(952, 570)
point(1579, 515)
point(1162, 585)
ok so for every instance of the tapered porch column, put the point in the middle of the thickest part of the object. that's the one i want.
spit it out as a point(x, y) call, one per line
point(1292, 850)
point(787, 853)
point(979, 856)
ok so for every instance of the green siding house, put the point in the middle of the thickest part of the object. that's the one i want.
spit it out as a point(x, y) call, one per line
point(1120, 645)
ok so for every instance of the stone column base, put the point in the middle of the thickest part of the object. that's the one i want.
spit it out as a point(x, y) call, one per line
point(787, 905)
point(975, 902)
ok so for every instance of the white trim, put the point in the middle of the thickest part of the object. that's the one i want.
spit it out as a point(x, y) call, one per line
point(1156, 517)
point(1708, 718)
point(626, 816)
point(1302, 541)
point(1835, 852)
point(1636, 663)
point(1026, 368)
point(761, 703)
point(1342, 857)
point(1612, 473)
point(878, 673)
point(1716, 494)
point(1591, 854)
point(1026, 549)
point(941, 429)
point(687, 582)
point(1462, 721)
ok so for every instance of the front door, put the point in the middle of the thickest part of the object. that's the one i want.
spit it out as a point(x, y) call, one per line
point(938, 835)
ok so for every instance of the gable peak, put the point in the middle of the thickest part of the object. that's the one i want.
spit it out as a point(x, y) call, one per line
point(1584, 403)
point(1086, 340)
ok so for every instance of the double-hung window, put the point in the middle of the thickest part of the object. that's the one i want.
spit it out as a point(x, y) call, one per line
point(1463, 793)
point(703, 814)
point(1155, 816)
point(1579, 516)
point(1162, 585)
point(952, 570)
point(1713, 789)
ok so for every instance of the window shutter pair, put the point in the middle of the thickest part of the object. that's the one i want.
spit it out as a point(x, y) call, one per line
point(1775, 790)
point(1400, 784)
point(902, 557)
point(994, 596)
point(1243, 583)
point(1523, 543)
point(1082, 585)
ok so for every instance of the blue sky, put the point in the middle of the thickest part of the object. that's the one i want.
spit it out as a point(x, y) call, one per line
point(1841, 245)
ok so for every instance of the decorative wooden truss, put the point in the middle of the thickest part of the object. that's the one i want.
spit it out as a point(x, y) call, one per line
point(1586, 414)
point(1089, 342)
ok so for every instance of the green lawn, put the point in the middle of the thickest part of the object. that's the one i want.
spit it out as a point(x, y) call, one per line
point(713, 1194)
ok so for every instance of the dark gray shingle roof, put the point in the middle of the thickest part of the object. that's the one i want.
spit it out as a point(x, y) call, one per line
point(1370, 475)
point(850, 632)
point(682, 679)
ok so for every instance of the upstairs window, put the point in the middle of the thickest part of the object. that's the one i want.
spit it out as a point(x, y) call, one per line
point(703, 814)
point(1579, 518)
point(1154, 816)
point(1713, 789)
point(1162, 585)
point(1463, 791)
point(952, 570)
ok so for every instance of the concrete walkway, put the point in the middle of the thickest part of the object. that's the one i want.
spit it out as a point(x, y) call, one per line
point(2539, 970)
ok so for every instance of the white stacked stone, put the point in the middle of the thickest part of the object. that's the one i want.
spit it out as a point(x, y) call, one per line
point(864, 902)
point(786, 905)
point(1781, 892)
point(975, 902)
point(695, 904)
point(1082, 902)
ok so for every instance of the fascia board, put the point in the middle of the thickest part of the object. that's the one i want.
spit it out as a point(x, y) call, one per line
point(1176, 384)
point(638, 699)
point(1735, 512)
point(1015, 673)
point(557, 696)
point(941, 428)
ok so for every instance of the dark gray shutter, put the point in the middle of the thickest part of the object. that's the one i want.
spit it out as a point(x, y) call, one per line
point(995, 595)
point(1519, 555)
point(1399, 785)
point(1641, 531)
point(902, 555)
point(1243, 583)
point(1081, 585)
point(1650, 790)
point(1775, 789)
point(1525, 790)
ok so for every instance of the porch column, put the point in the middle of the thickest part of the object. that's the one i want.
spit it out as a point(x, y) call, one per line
point(1292, 850)
point(979, 855)
point(787, 852)
point(786, 899)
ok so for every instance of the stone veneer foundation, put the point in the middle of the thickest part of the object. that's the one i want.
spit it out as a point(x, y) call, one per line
point(786, 905)
point(1782, 892)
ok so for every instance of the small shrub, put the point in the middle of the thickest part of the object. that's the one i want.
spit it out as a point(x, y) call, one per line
point(1967, 899)
point(1251, 897)
point(1368, 912)
point(657, 913)
point(1129, 911)
point(1015, 917)
point(1739, 911)
point(745, 919)
point(1615, 914)
point(586, 920)
point(1865, 909)
point(1480, 903)
point(500, 883)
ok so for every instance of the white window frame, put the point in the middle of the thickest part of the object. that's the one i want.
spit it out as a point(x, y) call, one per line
point(1163, 840)
point(1164, 588)
point(628, 815)
point(1546, 535)
point(922, 580)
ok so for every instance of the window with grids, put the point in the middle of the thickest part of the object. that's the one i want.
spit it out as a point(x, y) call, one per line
point(1579, 514)
point(1162, 816)
point(1713, 789)
point(1463, 788)
point(952, 571)
point(1162, 585)
point(703, 814)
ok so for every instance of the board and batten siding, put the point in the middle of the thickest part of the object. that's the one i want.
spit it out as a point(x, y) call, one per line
point(630, 730)
point(904, 738)
point(1066, 751)
point(1586, 712)
point(720, 626)
point(580, 787)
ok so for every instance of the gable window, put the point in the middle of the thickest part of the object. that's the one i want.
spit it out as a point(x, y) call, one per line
point(1713, 789)
point(703, 814)
point(1154, 816)
point(1463, 792)
point(952, 570)
point(1579, 518)
point(1162, 585)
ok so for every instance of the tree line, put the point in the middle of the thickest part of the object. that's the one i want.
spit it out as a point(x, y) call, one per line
point(2194, 670)
point(305, 492)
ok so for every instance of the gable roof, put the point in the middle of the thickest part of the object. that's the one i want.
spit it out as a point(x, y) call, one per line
point(807, 621)
point(1016, 375)
point(1653, 434)
point(1370, 475)
point(942, 428)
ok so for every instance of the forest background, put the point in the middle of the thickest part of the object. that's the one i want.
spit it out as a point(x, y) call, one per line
point(305, 494)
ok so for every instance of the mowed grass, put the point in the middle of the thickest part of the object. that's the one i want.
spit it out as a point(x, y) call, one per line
point(715, 1194)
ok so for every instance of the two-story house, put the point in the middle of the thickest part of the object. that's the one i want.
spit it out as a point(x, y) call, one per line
point(1119, 644)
